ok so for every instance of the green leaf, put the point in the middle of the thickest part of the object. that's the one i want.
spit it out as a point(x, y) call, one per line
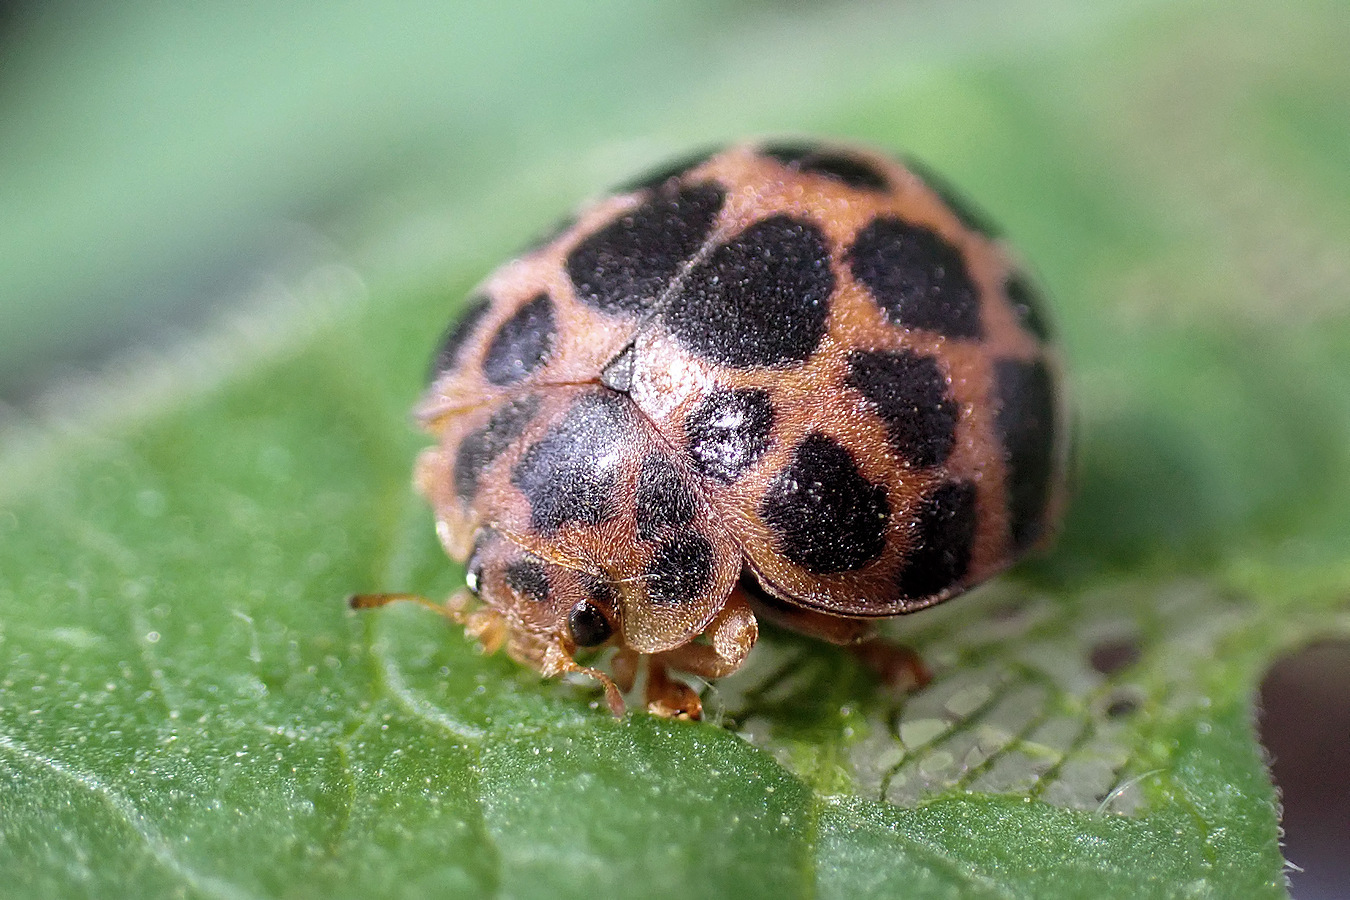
point(188, 709)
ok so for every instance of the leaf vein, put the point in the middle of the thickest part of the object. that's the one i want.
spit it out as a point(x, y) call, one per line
point(159, 848)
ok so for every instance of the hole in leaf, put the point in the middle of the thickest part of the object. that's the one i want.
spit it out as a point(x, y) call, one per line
point(1121, 705)
point(1112, 655)
point(1305, 726)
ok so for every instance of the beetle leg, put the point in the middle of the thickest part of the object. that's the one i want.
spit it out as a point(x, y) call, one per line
point(731, 635)
point(624, 665)
point(668, 697)
point(557, 661)
point(898, 667)
point(612, 696)
point(895, 665)
point(488, 626)
point(835, 629)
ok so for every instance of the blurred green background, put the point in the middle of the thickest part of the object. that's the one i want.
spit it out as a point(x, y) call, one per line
point(155, 157)
point(230, 235)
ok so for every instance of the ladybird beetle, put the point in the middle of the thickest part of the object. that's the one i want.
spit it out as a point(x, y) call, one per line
point(791, 381)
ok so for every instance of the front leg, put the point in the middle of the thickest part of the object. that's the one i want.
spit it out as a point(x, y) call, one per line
point(731, 635)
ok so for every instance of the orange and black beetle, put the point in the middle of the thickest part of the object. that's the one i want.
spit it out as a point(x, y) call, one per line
point(793, 381)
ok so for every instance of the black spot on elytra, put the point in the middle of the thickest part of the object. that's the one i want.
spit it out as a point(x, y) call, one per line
point(967, 213)
point(909, 392)
point(458, 333)
point(673, 169)
point(729, 431)
point(617, 375)
point(664, 498)
point(527, 577)
point(1028, 305)
point(827, 516)
point(522, 343)
point(944, 535)
point(1026, 425)
point(570, 474)
point(589, 625)
point(760, 299)
point(479, 448)
point(680, 570)
point(626, 265)
point(841, 166)
point(917, 278)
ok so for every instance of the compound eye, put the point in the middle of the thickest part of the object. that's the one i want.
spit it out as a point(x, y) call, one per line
point(589, 625)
